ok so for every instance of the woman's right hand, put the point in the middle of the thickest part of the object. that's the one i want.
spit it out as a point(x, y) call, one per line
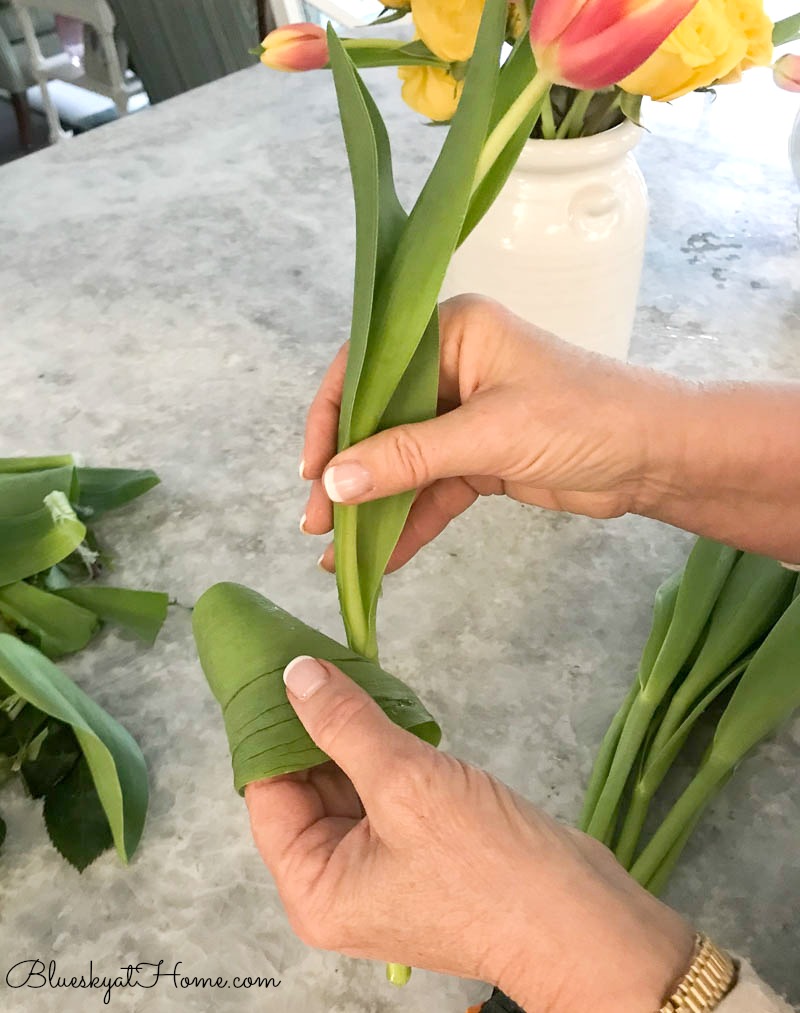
point(521, 413)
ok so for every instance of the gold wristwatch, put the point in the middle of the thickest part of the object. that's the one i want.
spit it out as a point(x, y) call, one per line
point(709, 979)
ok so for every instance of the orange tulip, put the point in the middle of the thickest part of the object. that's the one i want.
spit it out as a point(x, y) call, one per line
point(595, 43)
point(301, 46)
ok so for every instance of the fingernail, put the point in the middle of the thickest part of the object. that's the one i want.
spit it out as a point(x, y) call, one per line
point(319, 562)
point(346, 481)
point(302, 469)
point(303, 524)
point(304, 676)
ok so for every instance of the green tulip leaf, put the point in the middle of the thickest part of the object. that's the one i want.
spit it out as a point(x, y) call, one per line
point(408, 293)
point(24, 492)
point(103, 489)
point(35, 541)
point(787, 30)
point(18, 465)
point(115, 760)
point(244, 642)
point(368, 534)
point(56, 626)
point(139, 612)
point(515, 74)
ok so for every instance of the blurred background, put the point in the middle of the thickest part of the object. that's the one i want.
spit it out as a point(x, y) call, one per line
point(67, 66)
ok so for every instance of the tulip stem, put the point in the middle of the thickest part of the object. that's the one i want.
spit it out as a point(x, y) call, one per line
point(548, 121)
point(532, 93)
point(572, 123)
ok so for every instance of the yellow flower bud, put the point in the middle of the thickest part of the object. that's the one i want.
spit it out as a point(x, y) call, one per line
point(432, 91)
point(712, 45)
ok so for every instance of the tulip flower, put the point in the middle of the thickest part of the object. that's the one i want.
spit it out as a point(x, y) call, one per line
point(301, 46)
point(592, 44)
point(786, 72)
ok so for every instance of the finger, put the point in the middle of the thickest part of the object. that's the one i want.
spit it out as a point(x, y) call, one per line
point(318, 518)
point(322, 422)
point(347, 724)
point(327, 561)
point(461, 442)
point(281, 809)
point(430, 514)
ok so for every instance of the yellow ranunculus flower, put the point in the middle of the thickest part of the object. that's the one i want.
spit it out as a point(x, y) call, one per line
point(714, 43)
point(448, 27)
point(432, 91)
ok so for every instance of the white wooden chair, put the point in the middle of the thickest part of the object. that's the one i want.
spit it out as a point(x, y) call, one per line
point(110, 82)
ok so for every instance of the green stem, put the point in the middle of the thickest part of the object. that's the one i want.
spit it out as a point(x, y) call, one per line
point(548, 123)
point(345, 544)
point(579, 109)
point(601, 825)
point(398, 974)
point(660, 757)
point(658, 880)
point(508, 125)
point(706, 783)
point(605, 755)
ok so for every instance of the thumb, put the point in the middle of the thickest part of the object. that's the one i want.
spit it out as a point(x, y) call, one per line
point(460, 442)
point(345, 722)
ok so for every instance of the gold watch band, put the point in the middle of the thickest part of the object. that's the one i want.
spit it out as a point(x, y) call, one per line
point(709, 979)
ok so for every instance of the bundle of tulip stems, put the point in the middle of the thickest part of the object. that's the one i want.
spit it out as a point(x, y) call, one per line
point(725, 626)
point(244, 641)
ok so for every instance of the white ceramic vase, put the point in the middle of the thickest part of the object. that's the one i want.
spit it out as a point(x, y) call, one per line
point(563, 244)
point(794, 148)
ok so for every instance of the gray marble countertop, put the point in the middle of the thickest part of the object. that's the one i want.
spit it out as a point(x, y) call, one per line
point(171, 290)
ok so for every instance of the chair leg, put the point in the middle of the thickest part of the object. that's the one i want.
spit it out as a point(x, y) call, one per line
point(266, 19)
point(21, 110)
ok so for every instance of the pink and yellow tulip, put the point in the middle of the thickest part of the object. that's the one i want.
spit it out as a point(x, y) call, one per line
point(593, 44)
point(787, 72)
point(301, 46)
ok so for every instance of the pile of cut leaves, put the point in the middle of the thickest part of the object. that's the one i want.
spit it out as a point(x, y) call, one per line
point(65, 748)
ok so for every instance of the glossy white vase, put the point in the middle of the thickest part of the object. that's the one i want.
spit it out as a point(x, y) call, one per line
point(563, 244)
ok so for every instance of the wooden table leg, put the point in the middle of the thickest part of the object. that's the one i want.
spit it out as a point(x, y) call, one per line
point(22, 112)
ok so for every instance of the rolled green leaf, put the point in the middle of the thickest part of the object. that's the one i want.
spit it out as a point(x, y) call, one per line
point(140, 612)
point(244, 642)
point(57, 626)
point(103, 489)
point(115, 760)
point(32, 542)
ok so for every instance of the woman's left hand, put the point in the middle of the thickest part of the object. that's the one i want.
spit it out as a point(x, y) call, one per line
point(398, 852)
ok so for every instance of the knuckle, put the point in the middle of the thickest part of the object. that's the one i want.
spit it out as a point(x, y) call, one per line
point(410, 454)
point(339, 715)
point(313, 930)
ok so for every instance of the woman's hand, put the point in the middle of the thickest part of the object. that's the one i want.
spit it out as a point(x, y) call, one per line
point(401, 853)
point(521, 413)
